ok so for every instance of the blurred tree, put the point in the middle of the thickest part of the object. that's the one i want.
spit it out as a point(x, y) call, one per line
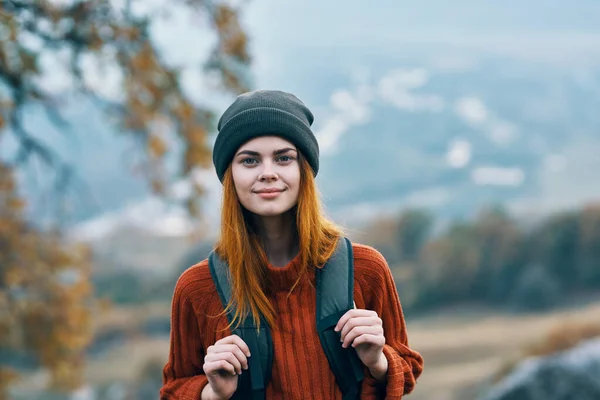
point(412, 231)
point(500, 246)
point(589, 246)
point(121, 287)
point(45, 295)
point(380, 233)
point(449, 264)
point(472, 261)
point(399, 238)
point(492, 259)
point(555, 244)
point(149, 379)
point(536, 289)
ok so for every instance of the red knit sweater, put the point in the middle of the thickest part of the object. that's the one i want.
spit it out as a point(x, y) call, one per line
point(300, 367)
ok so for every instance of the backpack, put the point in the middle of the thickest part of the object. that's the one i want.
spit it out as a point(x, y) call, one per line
point(335, 296)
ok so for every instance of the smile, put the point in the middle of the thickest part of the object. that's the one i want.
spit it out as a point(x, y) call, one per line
point(269, 193)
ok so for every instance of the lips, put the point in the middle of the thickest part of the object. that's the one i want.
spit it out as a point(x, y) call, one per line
point(270, 190)
point(268, 193)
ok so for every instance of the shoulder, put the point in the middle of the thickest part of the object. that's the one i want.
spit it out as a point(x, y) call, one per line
point(368, 259)
point(370, 267)
point(194, 283)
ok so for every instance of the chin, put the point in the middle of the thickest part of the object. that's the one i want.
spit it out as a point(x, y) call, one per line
point(268, 213)
point(270, 210)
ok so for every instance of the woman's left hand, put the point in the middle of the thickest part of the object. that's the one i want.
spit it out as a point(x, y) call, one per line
point(363, 330)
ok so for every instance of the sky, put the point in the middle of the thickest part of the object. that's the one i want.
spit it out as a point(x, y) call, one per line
point(291, 41)
point(282, 28)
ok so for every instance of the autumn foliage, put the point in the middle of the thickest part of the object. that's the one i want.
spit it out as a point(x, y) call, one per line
point(493, 259)
point(45, 296)
point(45, 301)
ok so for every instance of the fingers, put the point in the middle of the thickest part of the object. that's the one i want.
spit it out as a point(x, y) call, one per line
point(235, 339)
point(225, 350)
point(217, 366)
point(378, 340)
point(234, 350)
point(228, 354)
point(356, 332)
point(227, 357)
point(356, 323)
point(359, 321)
point(354, 313)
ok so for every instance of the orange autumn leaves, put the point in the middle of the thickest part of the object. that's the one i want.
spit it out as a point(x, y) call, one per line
point(46, 298)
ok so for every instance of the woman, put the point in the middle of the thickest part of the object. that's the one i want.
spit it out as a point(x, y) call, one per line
point(274, 240)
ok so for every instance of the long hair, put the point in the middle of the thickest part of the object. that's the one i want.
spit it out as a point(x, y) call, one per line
point(240, 246)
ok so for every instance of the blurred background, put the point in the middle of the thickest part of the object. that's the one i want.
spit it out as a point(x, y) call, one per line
point(461, 139)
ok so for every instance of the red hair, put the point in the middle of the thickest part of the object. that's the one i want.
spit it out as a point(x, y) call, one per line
point(240, 246)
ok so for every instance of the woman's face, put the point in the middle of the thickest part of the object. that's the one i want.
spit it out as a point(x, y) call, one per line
point(266, 175)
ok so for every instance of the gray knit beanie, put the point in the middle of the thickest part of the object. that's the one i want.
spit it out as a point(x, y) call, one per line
point(264, 113)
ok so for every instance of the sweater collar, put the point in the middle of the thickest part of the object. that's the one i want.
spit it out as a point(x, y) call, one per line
point(283, 278)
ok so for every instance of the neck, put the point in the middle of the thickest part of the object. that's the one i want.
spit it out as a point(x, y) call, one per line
point(278, 236)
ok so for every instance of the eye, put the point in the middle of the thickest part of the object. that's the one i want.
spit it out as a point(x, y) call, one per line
point(284, 159)
point(249, 161)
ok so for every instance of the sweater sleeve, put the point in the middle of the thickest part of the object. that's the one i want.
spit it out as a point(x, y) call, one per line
point(183, 377)
point(405, 365)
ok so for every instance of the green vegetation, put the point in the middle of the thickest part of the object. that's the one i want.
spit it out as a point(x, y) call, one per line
point(492, 259)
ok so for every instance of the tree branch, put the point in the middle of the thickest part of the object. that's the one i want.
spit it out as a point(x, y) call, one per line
point(66, 175)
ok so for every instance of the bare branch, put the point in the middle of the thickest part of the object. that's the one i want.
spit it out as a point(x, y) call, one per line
point(29, 144)
point(153, 102)
point(56, 118)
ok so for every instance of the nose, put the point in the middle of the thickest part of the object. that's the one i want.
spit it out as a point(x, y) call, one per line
point(267, 174)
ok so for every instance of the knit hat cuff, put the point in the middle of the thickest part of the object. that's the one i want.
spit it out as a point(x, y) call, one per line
point(263, 121)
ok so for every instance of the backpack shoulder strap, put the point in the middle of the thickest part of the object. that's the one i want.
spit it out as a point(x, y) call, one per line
point(253, 382)
point(335, 296)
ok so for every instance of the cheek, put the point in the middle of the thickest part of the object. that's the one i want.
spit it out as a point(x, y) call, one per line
point(244, 197)
point(242, 180)
point(293, 181)
point(296, 178)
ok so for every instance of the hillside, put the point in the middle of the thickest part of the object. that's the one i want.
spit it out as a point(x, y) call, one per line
point(463, 347)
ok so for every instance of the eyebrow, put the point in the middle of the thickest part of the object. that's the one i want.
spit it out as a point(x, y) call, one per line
point(275, 153)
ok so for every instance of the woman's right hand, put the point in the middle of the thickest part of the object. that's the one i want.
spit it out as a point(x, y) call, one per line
point(223, 362)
